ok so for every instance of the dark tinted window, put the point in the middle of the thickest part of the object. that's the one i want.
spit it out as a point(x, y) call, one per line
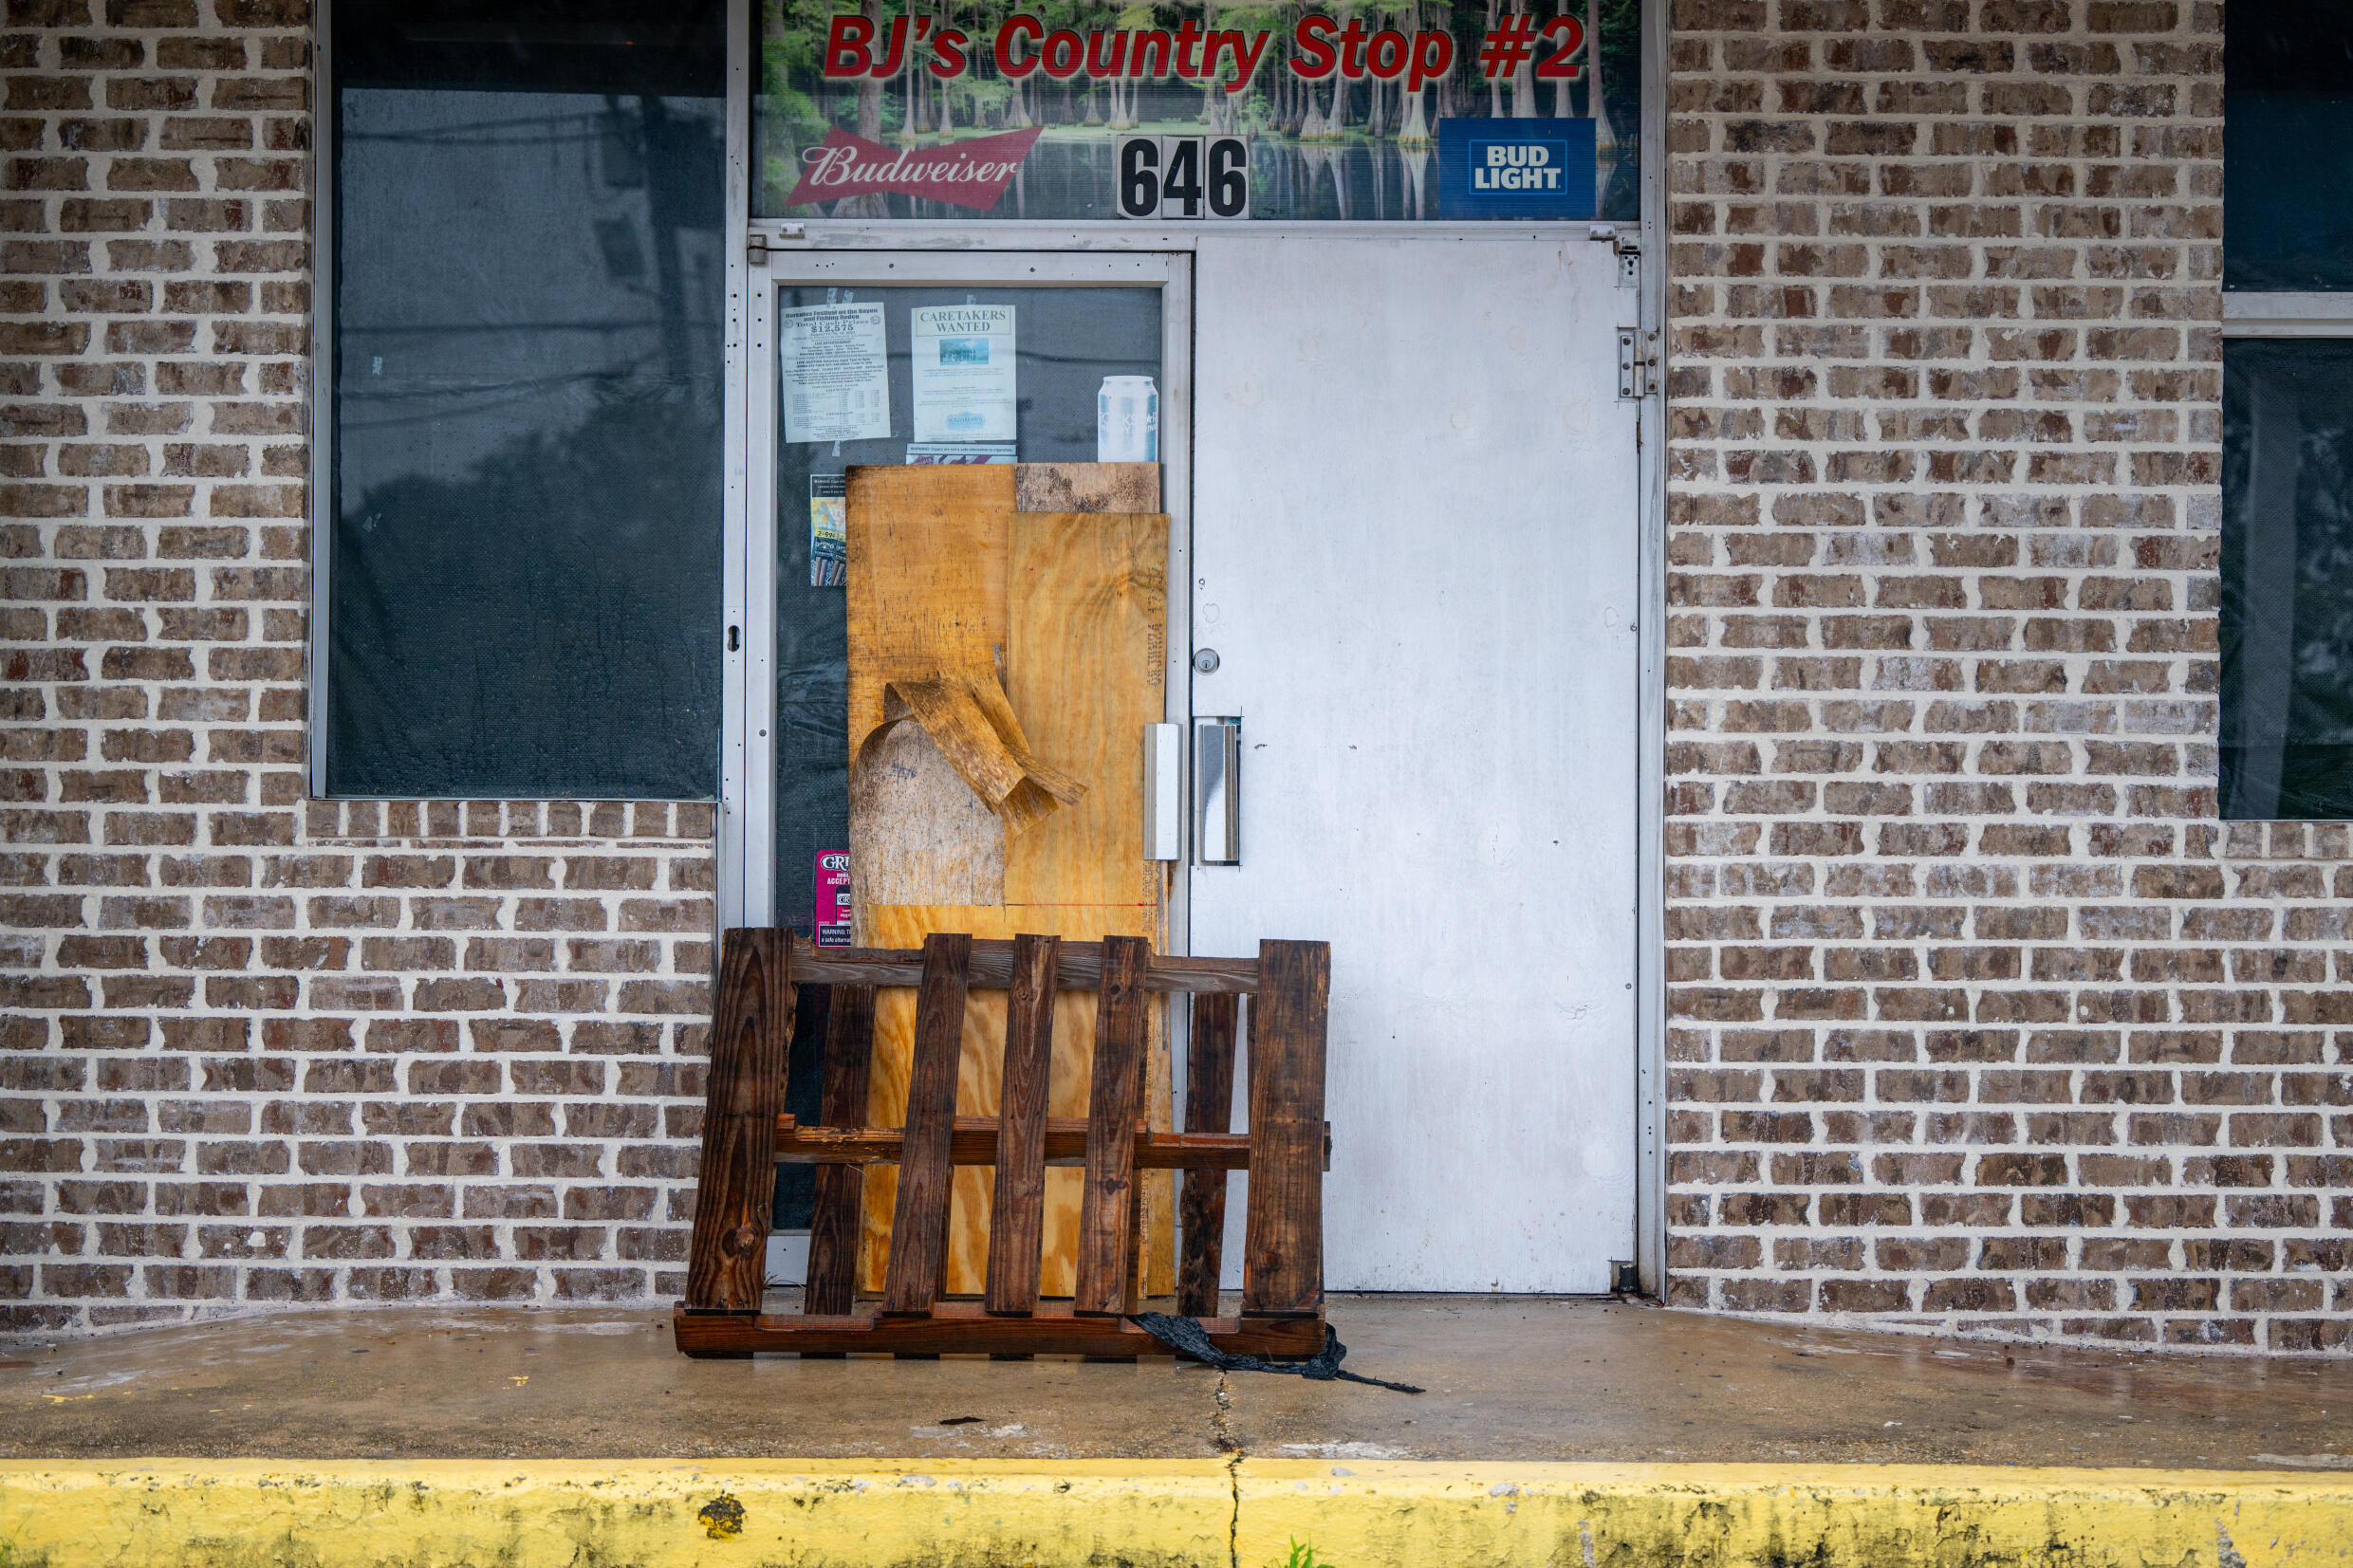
point(2287, 579)
point(2288, 147)
point(523, 590)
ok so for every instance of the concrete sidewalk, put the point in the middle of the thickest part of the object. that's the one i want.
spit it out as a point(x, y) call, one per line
point(1553, 1432)
point(1509, 1377)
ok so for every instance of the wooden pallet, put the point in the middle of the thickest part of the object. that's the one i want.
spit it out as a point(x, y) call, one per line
point(745, 1139)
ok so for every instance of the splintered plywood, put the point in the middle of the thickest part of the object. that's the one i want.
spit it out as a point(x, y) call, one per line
point(1087, 487)
point(928, 547)
point(941, 769)
point(1075, 634)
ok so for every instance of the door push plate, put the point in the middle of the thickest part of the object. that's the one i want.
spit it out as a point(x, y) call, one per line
point(1217, 791)
point(1638, 358)
point(1165, 800)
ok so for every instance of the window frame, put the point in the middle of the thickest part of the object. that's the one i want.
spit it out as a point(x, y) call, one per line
point(318, 671)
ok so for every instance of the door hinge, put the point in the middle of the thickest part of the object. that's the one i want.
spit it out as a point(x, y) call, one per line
point(762, 241)
point(1637, 363)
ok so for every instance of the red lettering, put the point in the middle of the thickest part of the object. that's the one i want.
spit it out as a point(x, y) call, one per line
point(895, 54)
point(948, 54)
point(1386, 55)
point(1150, 61)
point(1102, 66)
point(1315, 59)
point(1434, 56)
point(1352, 50)
point(1187, 40)
point(1246, 53)
point(1017, 26)
point(846, 51)
point(1065, 52)
point(1558, 66)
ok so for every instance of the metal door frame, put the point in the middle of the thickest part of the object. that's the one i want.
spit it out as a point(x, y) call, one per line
point(747, 757)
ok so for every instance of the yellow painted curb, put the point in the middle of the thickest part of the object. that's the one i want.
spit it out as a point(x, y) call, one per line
point(1734, 1516)
point(605, 1513)
point(1246, 1514)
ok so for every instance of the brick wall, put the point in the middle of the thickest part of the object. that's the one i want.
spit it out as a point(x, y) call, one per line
point(254, 1049)
point(1980, 1019)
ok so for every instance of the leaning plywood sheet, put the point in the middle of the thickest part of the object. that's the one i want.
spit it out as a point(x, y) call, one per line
point(1087, 487)
point(1086, 663)
point(933, 735)
point(1087, 657)
point(926, 591)
point(1085, 626)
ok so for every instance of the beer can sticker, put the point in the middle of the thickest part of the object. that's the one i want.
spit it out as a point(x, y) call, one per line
point(1127, 420)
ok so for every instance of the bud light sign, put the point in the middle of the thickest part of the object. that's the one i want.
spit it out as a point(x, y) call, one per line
point(1515, 168)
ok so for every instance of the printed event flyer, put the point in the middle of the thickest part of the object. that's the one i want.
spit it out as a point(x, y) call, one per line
point(836, 377)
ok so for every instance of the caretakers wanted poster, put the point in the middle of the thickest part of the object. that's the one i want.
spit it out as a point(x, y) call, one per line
point(964, 373)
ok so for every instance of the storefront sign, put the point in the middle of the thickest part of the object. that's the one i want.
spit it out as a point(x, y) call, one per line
point(1083, 111)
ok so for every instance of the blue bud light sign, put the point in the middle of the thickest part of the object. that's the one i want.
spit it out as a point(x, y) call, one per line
point(1515, 169)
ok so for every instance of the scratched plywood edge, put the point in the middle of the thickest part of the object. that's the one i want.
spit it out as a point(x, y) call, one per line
point(1087, 487)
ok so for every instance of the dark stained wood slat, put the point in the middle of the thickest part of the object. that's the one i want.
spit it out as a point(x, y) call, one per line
point(1282, 1245)
point(736, 1191)
point(926, 1166)
point(1115, 1097)
point(838, 1215)
point(974, 1142)
point(1080, 968)
point(964, 1328)
point(1209, 1108)
point(1017, 1208)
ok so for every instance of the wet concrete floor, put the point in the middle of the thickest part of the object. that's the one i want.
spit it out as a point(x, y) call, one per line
point(1508, 1377)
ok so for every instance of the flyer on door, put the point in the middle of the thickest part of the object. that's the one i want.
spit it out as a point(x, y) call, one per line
point(837, 385)
point(964, 373)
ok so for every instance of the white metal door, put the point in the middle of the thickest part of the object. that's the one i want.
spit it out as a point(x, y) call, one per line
point(1416, 558)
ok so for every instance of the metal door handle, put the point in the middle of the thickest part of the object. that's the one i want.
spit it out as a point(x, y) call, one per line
point(1217, 791)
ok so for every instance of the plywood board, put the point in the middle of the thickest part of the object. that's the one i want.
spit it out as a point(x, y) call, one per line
point(927, 556)
point(919, 835)
point(1082, 637)
point(1087, 487)
point(1086, 666)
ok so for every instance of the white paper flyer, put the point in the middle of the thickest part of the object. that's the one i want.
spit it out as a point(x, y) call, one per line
point(964, 373)
point(836, 380)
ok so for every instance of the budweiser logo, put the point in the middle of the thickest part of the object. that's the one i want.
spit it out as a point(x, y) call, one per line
point(967, 173)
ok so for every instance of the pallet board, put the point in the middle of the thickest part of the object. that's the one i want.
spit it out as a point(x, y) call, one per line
point(1287, 1149)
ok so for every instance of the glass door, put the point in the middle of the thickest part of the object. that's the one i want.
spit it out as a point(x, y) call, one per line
point(969, 481)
